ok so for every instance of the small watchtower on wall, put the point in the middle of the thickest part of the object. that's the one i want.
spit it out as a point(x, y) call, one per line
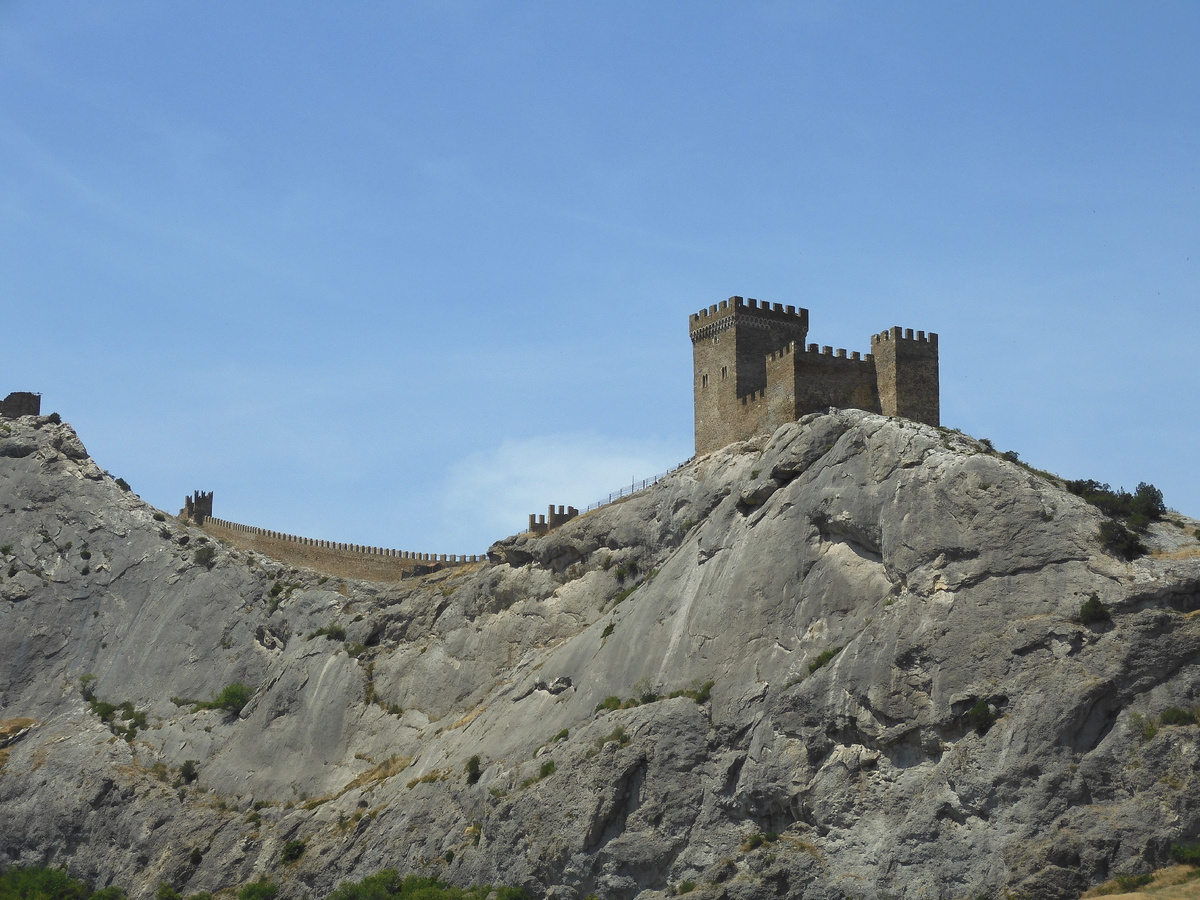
point(907, 370)
point(752, 372)
point(21, 403)
point(197, 507)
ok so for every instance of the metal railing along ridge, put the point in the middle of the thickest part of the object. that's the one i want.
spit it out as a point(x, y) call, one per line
point(636, 486)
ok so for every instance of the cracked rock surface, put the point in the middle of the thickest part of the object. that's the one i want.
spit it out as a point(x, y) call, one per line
point(865, 595)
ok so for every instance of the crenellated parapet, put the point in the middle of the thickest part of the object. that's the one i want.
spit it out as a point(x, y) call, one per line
point(749, 313)
point(754, 371)
point(541, 524)
point(197, 507)
point(334, 557)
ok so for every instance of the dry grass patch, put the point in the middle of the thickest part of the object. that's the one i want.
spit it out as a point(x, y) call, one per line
point(1171, 883)
point(468, 718)
point(393, 765)
point(1181, 553)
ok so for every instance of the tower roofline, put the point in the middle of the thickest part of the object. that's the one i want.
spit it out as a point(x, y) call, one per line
point(749, 312)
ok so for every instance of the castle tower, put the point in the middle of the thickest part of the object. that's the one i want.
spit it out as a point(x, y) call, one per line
point(907, 371)
point(197, 507)
point(730, 345)
point(21, 403)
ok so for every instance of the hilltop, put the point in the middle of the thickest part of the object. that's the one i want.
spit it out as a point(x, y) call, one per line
point(842, 660)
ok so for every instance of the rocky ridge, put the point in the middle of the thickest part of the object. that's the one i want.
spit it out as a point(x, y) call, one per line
point(903, 702)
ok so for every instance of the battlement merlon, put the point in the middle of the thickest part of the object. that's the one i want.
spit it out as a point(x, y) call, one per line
point(750, 313)
point(896, 334)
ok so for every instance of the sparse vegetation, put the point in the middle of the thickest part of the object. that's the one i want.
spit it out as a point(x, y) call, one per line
point(205, 556)
point(37, 883)
point(545, 771)
point(1173, 715)
point(981, 717)
point(701, 693)
point(1186, 854)
point(232, 698)
point(472, 769)
point(1119, 540)
point(1129, 514)
point(388, 885)
point(258, 890)
point(617, 736)
point(114, 714)
point(159, 517)
point(122, 484)
point(1093, 611)
point(332, 632)
point(292, 851)
point(189, 771)
point(824, 657)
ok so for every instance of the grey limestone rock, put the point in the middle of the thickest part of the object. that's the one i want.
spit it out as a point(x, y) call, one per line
point(757, 676)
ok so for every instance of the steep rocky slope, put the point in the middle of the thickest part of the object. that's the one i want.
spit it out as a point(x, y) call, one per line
point(947, 576)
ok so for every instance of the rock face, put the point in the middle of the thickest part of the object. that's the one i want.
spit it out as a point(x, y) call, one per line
point(951, 580)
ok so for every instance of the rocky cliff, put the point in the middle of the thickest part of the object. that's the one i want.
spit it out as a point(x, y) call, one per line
point(871, 629)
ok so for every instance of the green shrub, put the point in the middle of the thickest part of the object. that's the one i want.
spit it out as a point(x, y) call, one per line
point(196, 856)
point(609, 703)
point(205, 556)
point(1119, 540)
point(189, 771)
point(1186, 854)
point(621, 596)
point(36, 883)
point(981, 717)
point(1130, 883)
point(685, 887)
point(1175, 716)
point(329, 632)
point(166, 892)
point(159, 517)
point(561, 736)
point(5, 550)
point(547, 769)
point(473, 771)
point(387, 885)
point(231, 698)
point(608, 629)
point(1093, 611)
point(824, 657)
point(753, 842)
point(258, 890)
point(1146, 728)
point(123, 484)
point(292, 851)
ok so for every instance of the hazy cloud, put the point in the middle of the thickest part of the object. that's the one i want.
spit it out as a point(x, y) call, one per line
point(495, 490)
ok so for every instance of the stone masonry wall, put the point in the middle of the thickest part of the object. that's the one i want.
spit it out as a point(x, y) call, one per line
point(753, 372)
point(908, 374)
point(21, 403)
point(730, 345)
point(346, 560)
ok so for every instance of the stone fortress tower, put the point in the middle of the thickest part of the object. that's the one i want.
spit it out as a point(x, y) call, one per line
point(753, 372)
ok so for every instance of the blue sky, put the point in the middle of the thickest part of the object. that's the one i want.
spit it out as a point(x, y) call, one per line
point(400, 274)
